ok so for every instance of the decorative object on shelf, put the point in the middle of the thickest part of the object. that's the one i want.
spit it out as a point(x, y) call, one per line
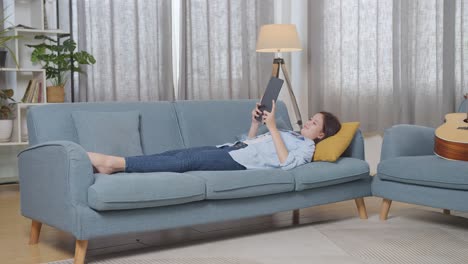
point(58, 58)
point(33, 92)
point(7, 114)
point(277, 38)
point(5, 37)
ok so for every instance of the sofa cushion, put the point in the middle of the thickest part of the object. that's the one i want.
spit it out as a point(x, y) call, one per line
point(319, 174)
point(112, 133)
point(245, 183)
point(427, 170)
point(139, 190)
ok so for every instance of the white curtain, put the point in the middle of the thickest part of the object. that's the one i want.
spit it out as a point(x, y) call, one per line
point(218, 58)
point(384, 62)
point(131, 41)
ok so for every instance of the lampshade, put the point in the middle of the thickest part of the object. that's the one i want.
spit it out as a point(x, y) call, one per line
point(278, 38)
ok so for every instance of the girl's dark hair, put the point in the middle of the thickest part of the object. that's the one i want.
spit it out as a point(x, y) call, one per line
point(331, 125)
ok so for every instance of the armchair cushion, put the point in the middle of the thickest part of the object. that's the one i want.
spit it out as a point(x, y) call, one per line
point(427, 170)
point(111, 133)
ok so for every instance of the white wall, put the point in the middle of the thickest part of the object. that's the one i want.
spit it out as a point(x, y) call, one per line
point(372, 148)
point(9, 163)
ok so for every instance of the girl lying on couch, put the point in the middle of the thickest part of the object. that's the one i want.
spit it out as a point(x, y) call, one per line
point(275, 149)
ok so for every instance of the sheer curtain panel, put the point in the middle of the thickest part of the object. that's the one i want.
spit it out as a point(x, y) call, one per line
point(218, 58)
point(131, 41)
point(387, 61)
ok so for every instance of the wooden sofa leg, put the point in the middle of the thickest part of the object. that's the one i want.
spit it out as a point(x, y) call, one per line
point(361, 206)
point(296, 217)
point(35, 231)
point(386, 203)
point(446, 211)
point(80, 251)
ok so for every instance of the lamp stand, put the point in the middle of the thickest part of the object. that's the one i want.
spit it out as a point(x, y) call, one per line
point(277, 64)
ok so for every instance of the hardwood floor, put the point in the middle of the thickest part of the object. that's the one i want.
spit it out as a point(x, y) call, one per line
point(14, 234)
point(56, 245)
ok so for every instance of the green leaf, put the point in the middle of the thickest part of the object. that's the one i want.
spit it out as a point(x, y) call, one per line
point(59, 57)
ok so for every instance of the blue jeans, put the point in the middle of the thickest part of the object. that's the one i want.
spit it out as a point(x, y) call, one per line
point(181, 160)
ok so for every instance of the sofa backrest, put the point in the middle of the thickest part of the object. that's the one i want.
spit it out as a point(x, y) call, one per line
point(356, 148)
point(159, 129)
point(163, 125)
point(207, 123)
point(166, 125)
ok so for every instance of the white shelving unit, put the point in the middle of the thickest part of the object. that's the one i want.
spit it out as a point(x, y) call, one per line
point(19, 78)
point(30, 15)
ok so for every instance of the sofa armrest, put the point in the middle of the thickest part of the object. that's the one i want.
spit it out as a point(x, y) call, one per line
point(356, 147)
point(407, 140)
point(54, 180)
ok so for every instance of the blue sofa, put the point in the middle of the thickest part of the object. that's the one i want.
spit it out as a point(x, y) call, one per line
point(59, 188)
point(410, 172)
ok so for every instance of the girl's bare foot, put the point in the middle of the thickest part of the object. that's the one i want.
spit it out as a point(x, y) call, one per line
point(105, 163)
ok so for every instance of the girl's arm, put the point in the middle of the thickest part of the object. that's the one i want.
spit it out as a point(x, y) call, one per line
point(269, 120)
point(255, 124)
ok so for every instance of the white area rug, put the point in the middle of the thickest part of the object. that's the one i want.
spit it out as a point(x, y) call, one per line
point(414, 236)
point(170, 261)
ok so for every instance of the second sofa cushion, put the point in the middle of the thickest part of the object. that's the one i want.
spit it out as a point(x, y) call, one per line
point(244, 183)
point(319, 174)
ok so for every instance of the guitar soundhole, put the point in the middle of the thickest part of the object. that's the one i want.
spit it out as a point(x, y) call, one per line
point(465, 120)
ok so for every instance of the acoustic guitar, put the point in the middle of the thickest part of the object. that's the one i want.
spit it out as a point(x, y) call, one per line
point(451, 138)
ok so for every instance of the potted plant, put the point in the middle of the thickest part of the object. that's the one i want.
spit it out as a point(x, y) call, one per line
point(5, 37)
point(7, 114)
point(58, 57)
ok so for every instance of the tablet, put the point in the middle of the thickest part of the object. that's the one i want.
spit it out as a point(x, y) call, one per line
point(271, 93)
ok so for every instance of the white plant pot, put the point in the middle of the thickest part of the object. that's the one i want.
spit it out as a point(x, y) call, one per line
point(6, 127)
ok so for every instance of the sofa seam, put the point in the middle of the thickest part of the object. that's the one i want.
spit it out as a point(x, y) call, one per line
point(74, 209)
point(356, 174)
point(145, 206)
point(154, 200)
point(176, 113)
point(35, 128)
point(390, 176)
point(253, 186)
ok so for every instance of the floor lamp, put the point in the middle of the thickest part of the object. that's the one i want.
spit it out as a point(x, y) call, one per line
point(278, 38)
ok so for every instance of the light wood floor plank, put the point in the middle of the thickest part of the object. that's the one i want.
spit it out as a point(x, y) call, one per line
point(56, 245)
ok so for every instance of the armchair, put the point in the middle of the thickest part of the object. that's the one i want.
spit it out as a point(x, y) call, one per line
point(410, 172)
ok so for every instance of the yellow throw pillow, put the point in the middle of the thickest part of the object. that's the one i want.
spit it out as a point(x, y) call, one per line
point(331, 148)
